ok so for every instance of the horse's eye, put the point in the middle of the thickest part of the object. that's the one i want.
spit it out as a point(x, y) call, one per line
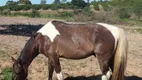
point(16, 68)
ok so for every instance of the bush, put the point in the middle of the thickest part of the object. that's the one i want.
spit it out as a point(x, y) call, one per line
point(79, 3)
point(45, 7)
point(35, 13)
point(138, 9)
point(54, 6)
point(5, 12)
point(36, 7)
point(123, 13)
point(65, 14)
point(26, 7)
point(95, 4)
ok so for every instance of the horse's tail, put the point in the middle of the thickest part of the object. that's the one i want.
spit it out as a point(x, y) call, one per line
point(120, 58)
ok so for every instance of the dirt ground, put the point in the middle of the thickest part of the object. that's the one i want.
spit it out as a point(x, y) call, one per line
point(14, 33)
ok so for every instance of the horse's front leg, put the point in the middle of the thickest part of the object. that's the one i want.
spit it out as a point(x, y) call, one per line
point(57, 67)
point(50, 69)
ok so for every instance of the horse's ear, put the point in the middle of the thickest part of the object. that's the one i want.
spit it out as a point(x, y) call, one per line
point(13, 59)
point(34, 34)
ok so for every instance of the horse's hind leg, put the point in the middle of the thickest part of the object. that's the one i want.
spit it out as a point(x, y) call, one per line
point(104, 66)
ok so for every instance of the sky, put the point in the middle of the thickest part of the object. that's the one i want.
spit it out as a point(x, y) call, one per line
point(3, 2)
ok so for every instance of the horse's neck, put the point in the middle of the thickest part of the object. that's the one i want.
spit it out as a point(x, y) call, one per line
point(26, 54)
point(24, 59)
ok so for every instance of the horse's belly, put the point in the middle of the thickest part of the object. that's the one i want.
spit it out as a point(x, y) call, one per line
point(75, 53)
point(73, 48)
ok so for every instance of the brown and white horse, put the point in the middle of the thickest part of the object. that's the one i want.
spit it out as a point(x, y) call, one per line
point(76, 41)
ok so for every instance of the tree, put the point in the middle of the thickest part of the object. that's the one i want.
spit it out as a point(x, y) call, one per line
point(57, 1)
point(63, 1)
point(43, 2)
point(11, 3)
point(105, 0)
point(24, 2)
point(88, 1)
point(79, 3)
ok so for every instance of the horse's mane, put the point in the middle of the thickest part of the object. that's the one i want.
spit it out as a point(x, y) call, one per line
point(56, 22)
point(33, 36)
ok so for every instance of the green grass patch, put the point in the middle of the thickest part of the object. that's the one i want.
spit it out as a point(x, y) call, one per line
point(1, 52)
point(6, 74)
point(139, 30)
point(3, 55)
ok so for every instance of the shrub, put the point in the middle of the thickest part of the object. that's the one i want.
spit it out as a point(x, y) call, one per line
point(138, 9)
point(36, 7)
point(45, 7)
point(54, 6)
point(79, 3)
point(123, 12)
point(65, 14)
point(26, 7)
point(95, 4)
point(35, 13)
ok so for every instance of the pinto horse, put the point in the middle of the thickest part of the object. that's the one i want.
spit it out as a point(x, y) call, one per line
point(58, 39)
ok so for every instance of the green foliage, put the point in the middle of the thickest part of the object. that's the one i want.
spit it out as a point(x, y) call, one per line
point(87, 11)
point(116, 9)
point(45, 7)
point(138, 9)
point(65, 6)
point(95, 4)
point(104, 4)
point(11, 3)
point(56, 1)
point(123, 12)
point(24, 2)
point(6, 73)
point(63, 1)
point(139, 30)
point(35, 13)
point(5, 12)
point(54, 6)
point(36, 7)
point(65, 14)
point(79, 3)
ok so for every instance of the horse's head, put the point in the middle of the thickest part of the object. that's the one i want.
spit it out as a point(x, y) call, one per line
point(19, 71)
point(35, 45)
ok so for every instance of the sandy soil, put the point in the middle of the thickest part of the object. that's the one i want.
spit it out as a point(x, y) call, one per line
point(13, 39)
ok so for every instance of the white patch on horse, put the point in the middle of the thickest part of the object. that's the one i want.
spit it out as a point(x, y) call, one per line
point(108, 74)
point(104, 77)
point(59, 76)
point(113, 29)
point(49, 30)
